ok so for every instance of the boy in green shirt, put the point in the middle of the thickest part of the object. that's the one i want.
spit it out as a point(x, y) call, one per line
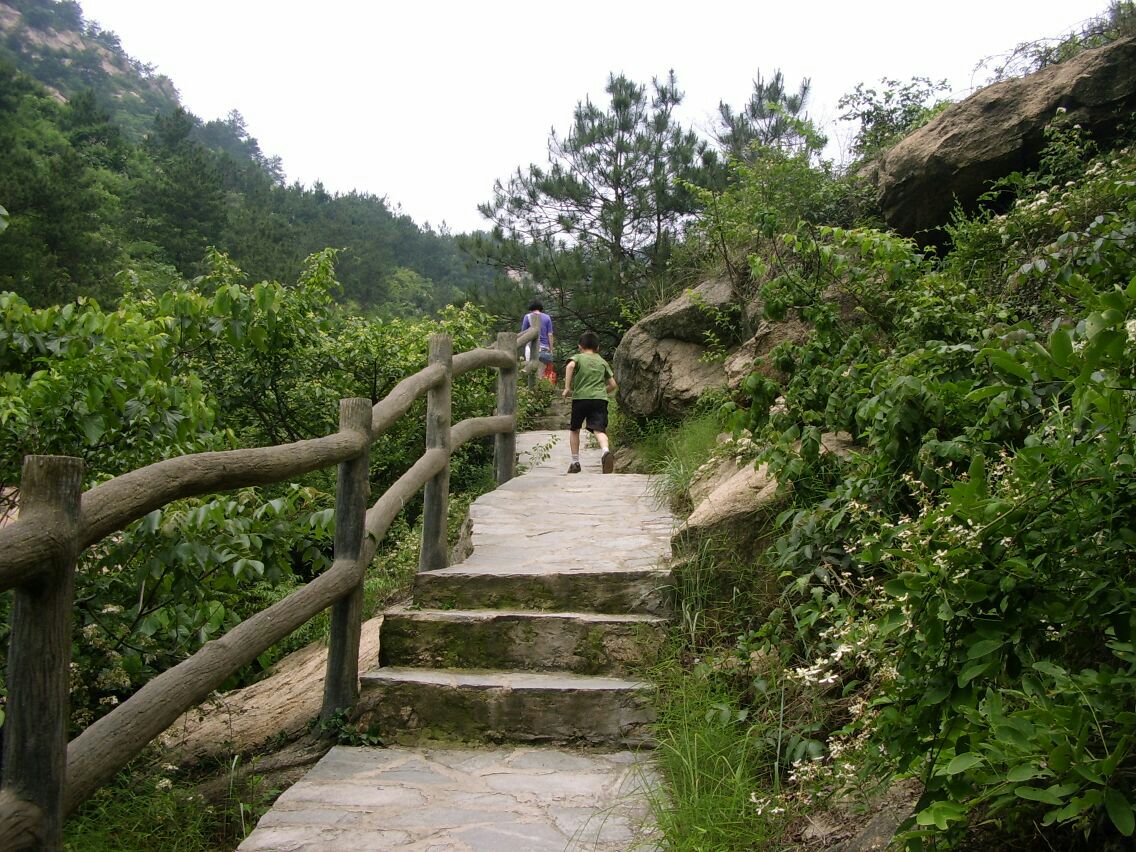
point(589, 380)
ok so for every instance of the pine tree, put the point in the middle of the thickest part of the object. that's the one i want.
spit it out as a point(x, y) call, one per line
point(599, 221)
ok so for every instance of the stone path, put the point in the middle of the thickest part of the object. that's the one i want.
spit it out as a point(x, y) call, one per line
point(360, 799)
point(433, 796)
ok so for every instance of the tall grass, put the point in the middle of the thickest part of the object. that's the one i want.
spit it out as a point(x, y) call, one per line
point(725, 730)
point(716, 757)
point(673, 457)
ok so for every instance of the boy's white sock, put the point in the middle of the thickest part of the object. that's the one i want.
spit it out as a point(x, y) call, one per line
point(575, 458)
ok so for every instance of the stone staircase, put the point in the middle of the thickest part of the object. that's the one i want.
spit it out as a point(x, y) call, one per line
point(542, 634)
point(557, 416)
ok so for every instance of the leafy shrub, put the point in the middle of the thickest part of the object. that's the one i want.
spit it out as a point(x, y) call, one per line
point(967, 575)
point(209, 364)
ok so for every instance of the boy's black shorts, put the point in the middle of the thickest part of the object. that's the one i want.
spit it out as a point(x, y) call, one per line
point(591, 411)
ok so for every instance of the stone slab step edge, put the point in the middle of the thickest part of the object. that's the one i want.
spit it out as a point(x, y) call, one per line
point(583, 643)
point(634, 591)
point(410, 706)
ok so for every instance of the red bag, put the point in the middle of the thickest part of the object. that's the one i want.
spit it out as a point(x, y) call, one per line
point(549, 374)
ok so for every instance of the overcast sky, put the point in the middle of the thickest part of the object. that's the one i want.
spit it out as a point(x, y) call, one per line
point(428, 103)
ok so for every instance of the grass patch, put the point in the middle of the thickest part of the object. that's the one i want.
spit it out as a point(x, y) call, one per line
point(149, 807)
point(716, 762)
point(673, 457)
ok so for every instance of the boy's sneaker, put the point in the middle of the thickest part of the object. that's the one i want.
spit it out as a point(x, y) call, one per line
point(574, 467)
point(607, 462)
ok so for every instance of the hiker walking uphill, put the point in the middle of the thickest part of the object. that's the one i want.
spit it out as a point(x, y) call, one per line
point(589, 379)
point(546, 339)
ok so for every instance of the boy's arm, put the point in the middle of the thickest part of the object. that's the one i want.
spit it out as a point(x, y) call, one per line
point(568, 378)
point(612, 387)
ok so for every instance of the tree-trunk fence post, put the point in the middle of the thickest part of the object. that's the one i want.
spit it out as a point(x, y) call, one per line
point(505, 443)
point(39, 650)
point(532, 363)
point(436, 495)
point(352, 496)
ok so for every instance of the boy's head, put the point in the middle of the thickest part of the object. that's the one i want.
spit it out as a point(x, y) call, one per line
point(590, 341)
point(535, 305)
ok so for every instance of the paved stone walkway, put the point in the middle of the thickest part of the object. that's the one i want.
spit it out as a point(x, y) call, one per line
point(358, 799)
point(500, 797)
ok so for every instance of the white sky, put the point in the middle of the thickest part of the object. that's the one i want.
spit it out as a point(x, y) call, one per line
point(429, 101)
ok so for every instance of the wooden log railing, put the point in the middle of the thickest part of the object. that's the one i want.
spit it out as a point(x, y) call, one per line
point(45, 777)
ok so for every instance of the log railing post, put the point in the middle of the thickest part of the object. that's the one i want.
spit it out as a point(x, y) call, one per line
point(352, 496)
point(437, 492)
point(505, 443)
point(533, 365)
point(39, 651)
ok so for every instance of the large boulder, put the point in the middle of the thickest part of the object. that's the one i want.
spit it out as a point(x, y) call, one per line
point(999, 130)
point(660, 364)
point(738, 510)
point(663, 364)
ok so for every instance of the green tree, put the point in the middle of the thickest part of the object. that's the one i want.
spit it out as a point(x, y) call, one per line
point(55, 246)
point(181, 200)
point(598, 224)
point(772, 118)
point(888, 113)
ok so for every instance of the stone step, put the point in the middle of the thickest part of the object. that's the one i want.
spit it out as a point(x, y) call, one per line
point(583, 643)
point(644, 591)
point(414, 705)
point(551, 423)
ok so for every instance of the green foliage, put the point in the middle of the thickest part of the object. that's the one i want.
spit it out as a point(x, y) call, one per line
point(153, 804)
point(966, 575)
point(142, 813)
point(772, 118)
point(106, 387)
point(181, 577)
point(974, 573)
point(889, 113)
point(601, 221)
point(674, 457)
point(1069, 223)
point(209, 364)
point(716, 753)
point(773, 192)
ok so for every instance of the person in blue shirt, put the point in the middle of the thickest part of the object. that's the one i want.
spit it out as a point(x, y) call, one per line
point(535, 316)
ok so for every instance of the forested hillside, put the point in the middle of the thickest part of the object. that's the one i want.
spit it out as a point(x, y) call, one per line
point(106, 175)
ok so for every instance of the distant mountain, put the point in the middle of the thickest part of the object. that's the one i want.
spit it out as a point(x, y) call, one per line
point(50, 41)
point(104, 170)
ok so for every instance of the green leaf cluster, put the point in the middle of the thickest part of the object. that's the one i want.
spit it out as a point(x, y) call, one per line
point(968, 568)
point(213, 363)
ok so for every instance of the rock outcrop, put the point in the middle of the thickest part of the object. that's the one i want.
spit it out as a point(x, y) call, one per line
point(999, 130)
point(660, 364)
point(739, 509)
point(735, 501)
point(663, 364)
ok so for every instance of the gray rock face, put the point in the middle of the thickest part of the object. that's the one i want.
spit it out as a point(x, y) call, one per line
point(691, 315)
point(659, 363)
point(998, 130)
point(737, 509)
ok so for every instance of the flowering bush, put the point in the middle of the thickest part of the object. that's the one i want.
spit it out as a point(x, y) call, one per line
point(962, 585)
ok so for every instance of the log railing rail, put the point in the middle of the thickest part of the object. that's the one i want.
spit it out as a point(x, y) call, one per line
point(45, 777)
